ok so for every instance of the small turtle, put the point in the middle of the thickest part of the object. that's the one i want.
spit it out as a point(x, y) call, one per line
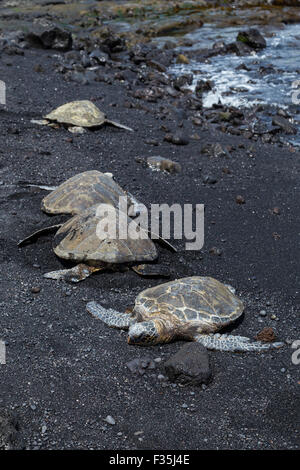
point(192, 309)
point(80, 114)
point(82, 191)
point(82, 239)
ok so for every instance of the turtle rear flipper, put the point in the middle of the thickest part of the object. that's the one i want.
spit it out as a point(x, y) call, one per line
point(151, 270)
point(111, 317)
point(234, 343)
point(117, 124)
point(76, 274)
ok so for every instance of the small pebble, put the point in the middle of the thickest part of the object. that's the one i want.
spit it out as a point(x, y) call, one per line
point(161, 377)
point(110, 420)
point(176, 139)
point(276, 236)
point(182, 59)
point(152, 142)
point(215, 251)
point(210, 179)
point(35, 290)
point(276, 211)
point(240, 200)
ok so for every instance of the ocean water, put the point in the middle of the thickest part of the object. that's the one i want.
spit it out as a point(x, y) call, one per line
point(279, 87)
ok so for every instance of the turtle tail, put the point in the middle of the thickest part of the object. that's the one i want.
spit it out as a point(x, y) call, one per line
point(234, 343)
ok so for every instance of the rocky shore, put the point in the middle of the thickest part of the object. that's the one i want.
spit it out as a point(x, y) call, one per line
point(71, 383)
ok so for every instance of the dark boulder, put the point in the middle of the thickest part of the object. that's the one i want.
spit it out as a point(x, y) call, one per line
point(49, 37)
point(252, 38)
point(284, 124)
point(99, 57)
point(239, 48)
point(203, 86)
point(183, 80)
point(9, 431)
point(190, 365)
point(113, 44)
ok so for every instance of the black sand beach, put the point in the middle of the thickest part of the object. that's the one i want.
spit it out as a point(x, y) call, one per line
point(65, 371)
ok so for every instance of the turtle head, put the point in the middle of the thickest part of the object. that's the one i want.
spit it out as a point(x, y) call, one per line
point(144, 333)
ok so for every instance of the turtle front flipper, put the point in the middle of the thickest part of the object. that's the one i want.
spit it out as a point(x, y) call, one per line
point(34, 236)
point(111, 317)
point(76, 274)
point(151, 270)
point(117, 124)
point(234, 343)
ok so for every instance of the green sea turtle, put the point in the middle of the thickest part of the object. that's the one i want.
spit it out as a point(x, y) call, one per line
point(84, 190)
point(79, 192)
point(80, 114)
point(83, 239)
point(192, 308)
point(77, 239)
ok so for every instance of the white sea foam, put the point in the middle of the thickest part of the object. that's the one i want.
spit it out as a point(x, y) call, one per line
point(243, 88)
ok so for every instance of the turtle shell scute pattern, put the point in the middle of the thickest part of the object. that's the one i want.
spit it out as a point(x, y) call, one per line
point(82, 191)
point(77, 113)
point(195, 299)
point(78, 240)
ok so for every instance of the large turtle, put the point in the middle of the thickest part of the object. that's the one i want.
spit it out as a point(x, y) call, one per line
point(80, 240)
point(192, 308)
point(80, 114)
point(77, 240)
point(84, 190)
point(78, 193)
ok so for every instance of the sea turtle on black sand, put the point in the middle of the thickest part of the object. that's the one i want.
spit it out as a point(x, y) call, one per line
point(192, 309)
point(78, 193)
point(79, 240)
point(84, 190)
point(79, 115)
